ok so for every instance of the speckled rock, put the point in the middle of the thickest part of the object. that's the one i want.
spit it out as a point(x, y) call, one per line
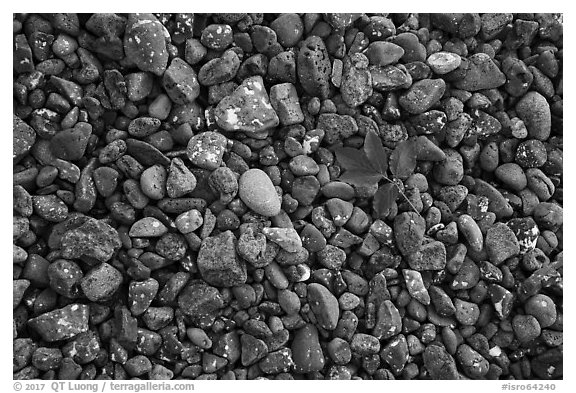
point(218, 262)
point(409, 230)
point(248, 108)
point(388, 321)
point(206, 149)
point(180, 82)
point(61, 324)
point(439, 363)
point(501, 243)
point(481, 73)
point(306, 351)
point(180, 179)
point(147, 227)
point(144, 43)
point(93, 240)
point(396, 354)
point(101, 282)
point(70, 144)
point(474, 365)
point(23, 137)
point(422, 95)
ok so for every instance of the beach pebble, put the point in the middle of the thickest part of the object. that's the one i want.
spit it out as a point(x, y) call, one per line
point(258, 193)
point(324, 306)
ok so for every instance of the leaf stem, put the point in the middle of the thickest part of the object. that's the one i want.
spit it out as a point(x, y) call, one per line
point(404, 195)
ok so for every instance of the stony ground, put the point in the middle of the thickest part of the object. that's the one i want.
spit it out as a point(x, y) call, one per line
point(288, 196)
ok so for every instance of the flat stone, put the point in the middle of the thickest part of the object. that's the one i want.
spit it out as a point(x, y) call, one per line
point(481, 74)
point(247, 109)
point(61, 324)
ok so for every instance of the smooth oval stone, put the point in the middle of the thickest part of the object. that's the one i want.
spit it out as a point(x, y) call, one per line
point(444, 62)
point(382, 53)
point(258, 193)
point(306, 350)
point(534, 111)
point(147, 227)
point(324, 305)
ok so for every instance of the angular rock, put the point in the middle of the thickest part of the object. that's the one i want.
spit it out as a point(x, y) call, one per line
point(180, 82)
point(284, 100)
point(388, 321)
point(247, 109)
point(101, 282)
point(409, 230)
point(253, 349)
point(61, 324)
point(501, 243)
point(439, 363)
point(396, 354)
point(200, 302)
point(180, 180)
point(481, 74)
point(218, 262)
point(23, 137)
point(94, 240)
